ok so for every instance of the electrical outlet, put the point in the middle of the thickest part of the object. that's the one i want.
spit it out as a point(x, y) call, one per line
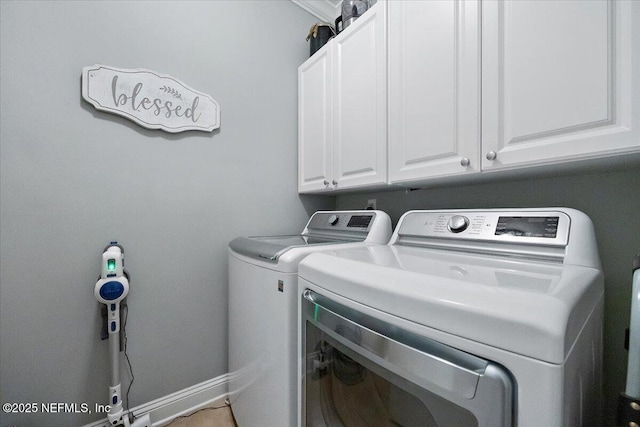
point(371, 204)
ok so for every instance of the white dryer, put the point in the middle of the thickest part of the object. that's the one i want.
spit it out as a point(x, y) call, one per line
point(489, 318)
point(263, 273)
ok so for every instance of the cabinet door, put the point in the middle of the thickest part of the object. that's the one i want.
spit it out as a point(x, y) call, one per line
point(557, 81)
point(314, 122)
point(360, 101)
point(434, 89)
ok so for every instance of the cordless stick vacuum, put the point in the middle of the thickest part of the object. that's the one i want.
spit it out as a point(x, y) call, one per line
point(111, 289)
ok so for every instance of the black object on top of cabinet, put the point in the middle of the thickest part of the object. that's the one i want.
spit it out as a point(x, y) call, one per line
point(319, 35)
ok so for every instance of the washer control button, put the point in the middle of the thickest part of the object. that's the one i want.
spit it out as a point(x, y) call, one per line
point(458, 223)
point(333, 219)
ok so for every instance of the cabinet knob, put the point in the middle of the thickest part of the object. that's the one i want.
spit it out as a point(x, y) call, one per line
point(334, 182)
point(325, 182)
point(465, 162)
point(492, 155)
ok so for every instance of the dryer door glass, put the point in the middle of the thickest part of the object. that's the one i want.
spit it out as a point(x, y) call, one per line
point(358, 375)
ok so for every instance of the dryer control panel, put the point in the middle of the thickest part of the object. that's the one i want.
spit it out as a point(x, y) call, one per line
point(548, 228)
point(547, 234)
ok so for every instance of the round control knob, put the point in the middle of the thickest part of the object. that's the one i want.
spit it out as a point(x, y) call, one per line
point(333, 220)
point(458, 223)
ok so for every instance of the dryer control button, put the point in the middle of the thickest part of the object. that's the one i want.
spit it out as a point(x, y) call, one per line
point(458, 223)
point(333, 219)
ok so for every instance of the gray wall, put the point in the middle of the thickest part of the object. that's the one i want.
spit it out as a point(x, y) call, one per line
point(612, 201)
point(73, 179)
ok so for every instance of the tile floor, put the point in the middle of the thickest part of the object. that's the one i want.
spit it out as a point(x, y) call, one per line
point(215, 416)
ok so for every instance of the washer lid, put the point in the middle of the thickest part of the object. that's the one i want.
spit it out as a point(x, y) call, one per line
point(536, 309)
point(323, 228)
point(271, 247)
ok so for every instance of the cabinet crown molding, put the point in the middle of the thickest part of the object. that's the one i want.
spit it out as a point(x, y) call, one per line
point(326, 10)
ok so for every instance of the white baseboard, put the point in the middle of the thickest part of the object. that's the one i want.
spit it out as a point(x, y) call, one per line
point(163, 410)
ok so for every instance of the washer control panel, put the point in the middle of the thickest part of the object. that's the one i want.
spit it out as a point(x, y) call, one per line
point(341, 221)
point(549, 228)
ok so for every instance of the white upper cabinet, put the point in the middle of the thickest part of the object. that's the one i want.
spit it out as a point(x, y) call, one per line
point(360, 107)
point(557, 81)
point(474, 87)
point(434, 89)
point(342, 109)
point(315, 122)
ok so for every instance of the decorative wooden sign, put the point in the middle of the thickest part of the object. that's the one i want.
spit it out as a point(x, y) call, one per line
point(152, 100)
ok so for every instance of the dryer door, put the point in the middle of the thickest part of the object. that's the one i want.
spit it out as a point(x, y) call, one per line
point(360, 371)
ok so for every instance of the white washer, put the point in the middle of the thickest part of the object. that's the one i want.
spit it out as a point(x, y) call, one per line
point(486, 318)
point(262, 310)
